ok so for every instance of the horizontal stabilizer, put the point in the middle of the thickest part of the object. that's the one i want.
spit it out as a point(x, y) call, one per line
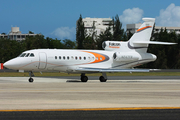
point(114, 70)
point(153, 42)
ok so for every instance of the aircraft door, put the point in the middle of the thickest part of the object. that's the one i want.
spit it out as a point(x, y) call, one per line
point(42, 60)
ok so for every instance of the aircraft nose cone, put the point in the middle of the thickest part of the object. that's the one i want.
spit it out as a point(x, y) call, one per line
point(8, 64)
point(11, 64)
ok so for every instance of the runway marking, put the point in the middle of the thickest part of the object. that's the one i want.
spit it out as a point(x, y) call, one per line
point(92, 109)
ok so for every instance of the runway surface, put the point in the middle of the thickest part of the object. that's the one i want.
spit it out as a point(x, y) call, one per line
point(67, 93)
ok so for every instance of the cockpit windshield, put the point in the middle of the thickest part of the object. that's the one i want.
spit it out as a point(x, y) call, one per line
point(26, 55)
point(31, 55)
point(22, 55)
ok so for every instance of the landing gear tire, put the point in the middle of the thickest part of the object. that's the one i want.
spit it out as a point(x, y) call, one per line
point(31, 80)
point(84, 78)
point(102, 79)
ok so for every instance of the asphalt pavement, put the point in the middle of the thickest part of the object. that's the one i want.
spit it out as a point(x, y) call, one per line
point(148, 114)
point(121, 97)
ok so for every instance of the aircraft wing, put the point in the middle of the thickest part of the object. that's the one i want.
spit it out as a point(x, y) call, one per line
point(114, 70)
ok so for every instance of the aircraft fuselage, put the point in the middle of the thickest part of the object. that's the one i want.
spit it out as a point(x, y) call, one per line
point(69, 60)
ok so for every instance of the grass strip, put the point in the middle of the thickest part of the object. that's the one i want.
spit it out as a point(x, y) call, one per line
point(37, 74)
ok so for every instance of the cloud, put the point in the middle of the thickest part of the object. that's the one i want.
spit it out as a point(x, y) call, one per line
point(130, 16)
point(64, 33)
point(169, 17)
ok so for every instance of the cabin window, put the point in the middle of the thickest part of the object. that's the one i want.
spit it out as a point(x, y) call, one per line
point(59, 57)
point(68, 57)
point(76, 57)
point(64, 57)
point(80, 58)
point(84, 58)
point(31, 55)
point(100, 58)
point(72, 57)
point(96, 58)
point(55, 57)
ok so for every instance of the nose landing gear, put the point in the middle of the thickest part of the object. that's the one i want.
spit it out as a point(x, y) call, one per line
point(31, 75)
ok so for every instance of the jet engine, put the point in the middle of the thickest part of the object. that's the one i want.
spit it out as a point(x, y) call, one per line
point(121, 56)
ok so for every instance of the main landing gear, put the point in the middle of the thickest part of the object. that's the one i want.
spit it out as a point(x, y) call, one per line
point(31, 75)
point(83, 77)
point(102, 78)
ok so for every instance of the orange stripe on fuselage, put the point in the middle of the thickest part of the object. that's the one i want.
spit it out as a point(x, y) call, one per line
point(143, 28)
point(114, 47)
point(96, 56)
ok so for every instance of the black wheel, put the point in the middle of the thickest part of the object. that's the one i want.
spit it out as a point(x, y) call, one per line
point(31, 80)
point(102, 79)
point(84, 78)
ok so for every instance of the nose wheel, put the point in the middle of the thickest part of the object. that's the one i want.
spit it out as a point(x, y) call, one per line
point(31, 80)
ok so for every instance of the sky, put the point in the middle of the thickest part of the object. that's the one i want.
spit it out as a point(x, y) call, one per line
point(57, 18)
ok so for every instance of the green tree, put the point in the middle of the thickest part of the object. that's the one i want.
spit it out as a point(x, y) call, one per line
point(167, 56)
point(30, 32)
point(80, 33)
point(49, 43)
point(118, 31)
point(9, 49)
point(57, 44)
point(68, 44)
point(35, 42)
point(129, 35)
point(90, 41)
point(104, 36)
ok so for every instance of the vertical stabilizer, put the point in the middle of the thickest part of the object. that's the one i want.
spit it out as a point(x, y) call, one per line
point(143, 34)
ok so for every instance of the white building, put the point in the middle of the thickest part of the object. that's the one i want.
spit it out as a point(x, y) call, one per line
point(15, 34)
point(169, 29)
point(134, 27)
point(100, 24)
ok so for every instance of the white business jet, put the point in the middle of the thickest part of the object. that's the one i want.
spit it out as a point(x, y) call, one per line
point(116, 57)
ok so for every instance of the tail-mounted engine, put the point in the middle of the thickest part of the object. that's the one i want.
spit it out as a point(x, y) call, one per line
point(125, 56)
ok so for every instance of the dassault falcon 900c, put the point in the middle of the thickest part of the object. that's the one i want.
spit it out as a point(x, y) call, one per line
point(116, 57)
